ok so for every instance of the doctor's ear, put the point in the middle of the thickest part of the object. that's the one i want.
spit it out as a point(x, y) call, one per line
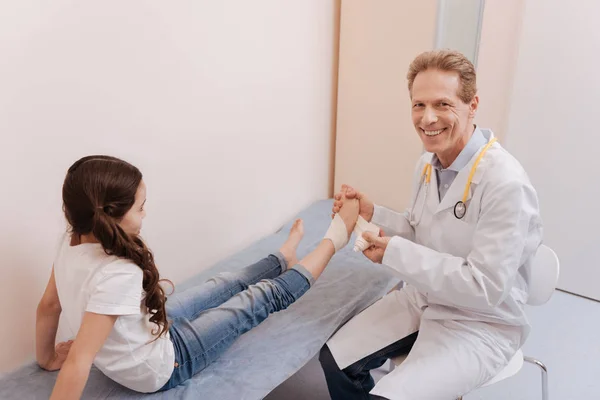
point(473, 106)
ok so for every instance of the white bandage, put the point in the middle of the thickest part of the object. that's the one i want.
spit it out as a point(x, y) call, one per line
point(360, 244)
point(337, 233)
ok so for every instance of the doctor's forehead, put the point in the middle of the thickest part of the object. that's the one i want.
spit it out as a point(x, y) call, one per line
point(432, 85)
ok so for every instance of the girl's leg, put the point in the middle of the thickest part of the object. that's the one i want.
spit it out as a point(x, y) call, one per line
point(200, 341)
point(215, 291)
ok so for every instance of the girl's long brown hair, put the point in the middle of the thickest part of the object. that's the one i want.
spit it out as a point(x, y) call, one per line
point(97, 192)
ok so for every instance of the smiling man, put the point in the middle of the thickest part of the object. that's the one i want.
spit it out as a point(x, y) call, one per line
point(464, 247)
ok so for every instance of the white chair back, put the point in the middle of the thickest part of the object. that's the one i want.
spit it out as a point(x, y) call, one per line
point(544, 276)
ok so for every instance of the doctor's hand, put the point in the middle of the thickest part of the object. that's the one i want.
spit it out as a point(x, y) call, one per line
point(378, 245)
point(366, 206)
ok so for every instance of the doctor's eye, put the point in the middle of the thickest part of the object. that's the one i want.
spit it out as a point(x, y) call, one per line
point(417, 105)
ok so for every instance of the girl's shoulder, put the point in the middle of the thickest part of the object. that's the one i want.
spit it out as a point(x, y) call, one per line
point(119, 281)
point(92, 257)
point(116, 265)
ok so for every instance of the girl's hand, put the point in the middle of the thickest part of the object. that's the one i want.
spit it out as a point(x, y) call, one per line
point(60, 355)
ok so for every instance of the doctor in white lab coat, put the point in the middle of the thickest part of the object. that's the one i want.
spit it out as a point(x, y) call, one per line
point(464, 248)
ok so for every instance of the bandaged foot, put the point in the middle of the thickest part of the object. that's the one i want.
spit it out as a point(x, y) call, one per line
point(343, 224)
point(360, 244)
point(291, 244)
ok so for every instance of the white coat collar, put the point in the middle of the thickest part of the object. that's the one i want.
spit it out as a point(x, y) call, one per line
point(456, 190)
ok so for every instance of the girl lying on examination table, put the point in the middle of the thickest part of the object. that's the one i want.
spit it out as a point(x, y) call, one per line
point(105, 283)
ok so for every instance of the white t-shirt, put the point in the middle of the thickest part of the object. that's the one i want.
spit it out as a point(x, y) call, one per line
point(87, 279)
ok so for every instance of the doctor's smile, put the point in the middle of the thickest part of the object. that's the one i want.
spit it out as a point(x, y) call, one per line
point(433, 133)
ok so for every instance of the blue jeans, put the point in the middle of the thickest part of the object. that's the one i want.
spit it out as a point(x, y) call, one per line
point(355, 381)
point(208, 318)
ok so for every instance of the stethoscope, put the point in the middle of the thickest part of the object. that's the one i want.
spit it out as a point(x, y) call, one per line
point(460, 208)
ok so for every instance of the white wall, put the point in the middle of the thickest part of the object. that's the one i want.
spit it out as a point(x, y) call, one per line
point(226, 107)
point(553, 130)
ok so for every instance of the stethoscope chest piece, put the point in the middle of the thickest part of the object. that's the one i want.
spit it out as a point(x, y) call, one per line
point(460, 210)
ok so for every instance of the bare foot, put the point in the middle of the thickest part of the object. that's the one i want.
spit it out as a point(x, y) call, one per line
point(349, 212)
point(291, 244)
point(366, 206)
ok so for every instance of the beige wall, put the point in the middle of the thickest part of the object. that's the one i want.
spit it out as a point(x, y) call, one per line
point(498, 51)
point(226, 106)
point(377, 147)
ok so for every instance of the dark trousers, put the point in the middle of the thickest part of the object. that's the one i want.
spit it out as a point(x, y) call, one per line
point(355, 381)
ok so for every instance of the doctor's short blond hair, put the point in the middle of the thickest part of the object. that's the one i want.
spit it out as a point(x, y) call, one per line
point(450, 61)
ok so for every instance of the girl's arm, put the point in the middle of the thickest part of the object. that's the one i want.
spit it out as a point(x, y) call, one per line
point(46, 325)
point(74, 373)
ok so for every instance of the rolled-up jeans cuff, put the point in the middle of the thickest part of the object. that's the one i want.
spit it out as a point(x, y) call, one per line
point(304, 272)
point(282, 261)
point(300, 268)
